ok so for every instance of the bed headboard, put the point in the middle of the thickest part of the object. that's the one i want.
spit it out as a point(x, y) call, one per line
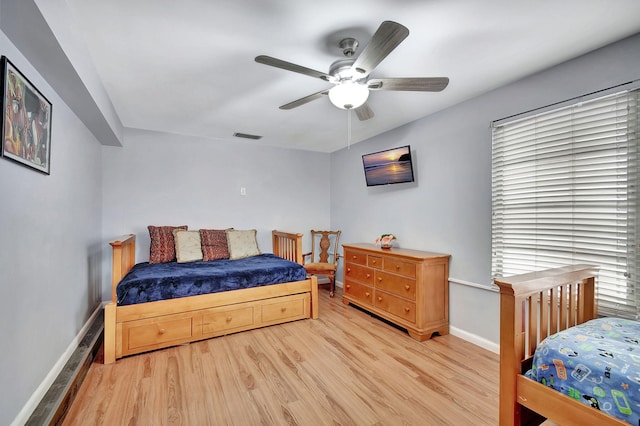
point(124, 257)
point(532, 307)
point(542, 303)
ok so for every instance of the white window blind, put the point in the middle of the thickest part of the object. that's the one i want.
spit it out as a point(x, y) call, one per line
point(564, 192)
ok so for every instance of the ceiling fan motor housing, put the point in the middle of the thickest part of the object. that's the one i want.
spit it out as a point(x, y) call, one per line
point(341, 69)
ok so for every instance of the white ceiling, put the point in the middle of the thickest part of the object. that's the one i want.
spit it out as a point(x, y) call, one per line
point(187, 67)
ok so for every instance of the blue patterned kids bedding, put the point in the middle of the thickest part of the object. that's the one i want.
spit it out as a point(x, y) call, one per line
point(597, 362)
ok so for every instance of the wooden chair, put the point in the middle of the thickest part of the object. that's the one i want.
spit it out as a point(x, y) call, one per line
point(324, 256)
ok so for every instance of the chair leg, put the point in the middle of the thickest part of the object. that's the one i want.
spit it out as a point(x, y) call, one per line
point(332, 285)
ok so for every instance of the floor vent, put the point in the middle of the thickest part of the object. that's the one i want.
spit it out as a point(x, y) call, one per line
point(247, 136)
point(55, 404)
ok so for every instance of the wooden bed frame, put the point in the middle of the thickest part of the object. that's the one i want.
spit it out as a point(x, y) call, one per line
point(147, 326)
point(533, 306)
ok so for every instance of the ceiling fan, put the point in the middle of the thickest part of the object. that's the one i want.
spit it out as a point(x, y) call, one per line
point(350, 75)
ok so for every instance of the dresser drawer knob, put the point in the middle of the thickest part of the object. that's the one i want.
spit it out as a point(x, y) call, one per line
point(283, 309)
point(407, 287)
point(407, 310)
point(229, 318)
point(397, 267)
point(374, 262)
point(348, 270)
point(162, 331)
point(368, 275)
point(348, 286)
point(354, 257)
point(379, 298)
point(380, 279)
point(366, 293)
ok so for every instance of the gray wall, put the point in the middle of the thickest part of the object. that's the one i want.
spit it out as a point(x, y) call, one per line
point(163, 179)
point(50, 248)
point(448, 208)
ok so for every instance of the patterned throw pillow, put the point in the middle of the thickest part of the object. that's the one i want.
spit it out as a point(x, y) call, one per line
point(163, 246)
point(188, 248)
point(242, 243)
point(214, 244)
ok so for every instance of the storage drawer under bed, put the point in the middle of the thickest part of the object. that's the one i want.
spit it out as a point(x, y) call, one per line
point(170, 330)
point(153, 333)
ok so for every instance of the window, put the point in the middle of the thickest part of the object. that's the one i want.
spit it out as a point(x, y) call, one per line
point(564, 192)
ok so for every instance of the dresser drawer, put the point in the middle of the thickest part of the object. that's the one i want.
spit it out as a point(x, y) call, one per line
point(358, 292)
point(404, 287)
point(395, 305)
point(400, 267)
point(155, 331)
point(221, 320)
point(285, 308)
point(355, 257)
point(374, 261)
point(359, 273)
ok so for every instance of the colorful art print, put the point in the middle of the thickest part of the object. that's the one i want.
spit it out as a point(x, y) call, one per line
point(26, 127)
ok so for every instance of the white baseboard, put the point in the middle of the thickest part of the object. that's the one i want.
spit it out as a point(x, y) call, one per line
point(476, 340)
point(32, 403)
point(469, 337)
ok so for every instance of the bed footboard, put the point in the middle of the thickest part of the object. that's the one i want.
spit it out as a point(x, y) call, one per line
point(532, 307)
point(287, 246)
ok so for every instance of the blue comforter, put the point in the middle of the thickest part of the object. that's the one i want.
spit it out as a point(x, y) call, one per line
point(597, 362)
point(149, 283)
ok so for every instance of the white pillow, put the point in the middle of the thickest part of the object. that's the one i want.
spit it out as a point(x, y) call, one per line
point(242, 243)
point(188, 247)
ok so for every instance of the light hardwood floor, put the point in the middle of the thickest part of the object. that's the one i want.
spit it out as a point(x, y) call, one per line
point(345, 368)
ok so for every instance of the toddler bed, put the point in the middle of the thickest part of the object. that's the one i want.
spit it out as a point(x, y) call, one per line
point(150, 309)
point(558, 361)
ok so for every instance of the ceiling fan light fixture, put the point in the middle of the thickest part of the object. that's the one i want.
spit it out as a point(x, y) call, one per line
point(348, 95)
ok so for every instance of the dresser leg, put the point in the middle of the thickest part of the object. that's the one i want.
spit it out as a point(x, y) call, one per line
point(418, 336)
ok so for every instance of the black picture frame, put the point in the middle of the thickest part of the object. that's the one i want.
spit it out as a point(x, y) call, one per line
point(26, 124)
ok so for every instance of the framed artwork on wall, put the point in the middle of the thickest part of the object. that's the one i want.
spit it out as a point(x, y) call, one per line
point(26, 125)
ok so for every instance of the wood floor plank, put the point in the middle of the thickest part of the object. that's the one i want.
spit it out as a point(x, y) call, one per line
point(347, 367)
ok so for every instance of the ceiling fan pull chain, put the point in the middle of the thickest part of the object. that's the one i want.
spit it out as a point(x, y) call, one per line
point(348, 129)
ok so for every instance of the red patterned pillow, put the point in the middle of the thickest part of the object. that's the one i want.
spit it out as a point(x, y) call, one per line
point(163, 246)
point(214, 244)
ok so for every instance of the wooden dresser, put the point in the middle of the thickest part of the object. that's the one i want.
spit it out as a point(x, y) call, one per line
point(407, 287)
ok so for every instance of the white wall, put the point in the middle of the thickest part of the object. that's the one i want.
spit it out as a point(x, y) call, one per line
point(164, 179)
point(49, 251)
point(448, 209)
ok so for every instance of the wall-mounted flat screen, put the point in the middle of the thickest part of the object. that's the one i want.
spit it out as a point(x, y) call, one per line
point(389, 166)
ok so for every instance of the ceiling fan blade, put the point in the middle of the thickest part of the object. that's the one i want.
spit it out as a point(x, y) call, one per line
point(279, 63)
point(418, 84)
point(386, 38)
point(305, 100)
point(364, 112)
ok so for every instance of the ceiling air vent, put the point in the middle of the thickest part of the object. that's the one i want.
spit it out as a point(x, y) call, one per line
point(247, 136)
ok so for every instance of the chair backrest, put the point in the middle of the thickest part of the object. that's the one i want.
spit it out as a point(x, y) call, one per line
point(324, 246)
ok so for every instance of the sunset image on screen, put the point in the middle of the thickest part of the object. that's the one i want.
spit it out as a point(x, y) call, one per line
point(391, 166)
